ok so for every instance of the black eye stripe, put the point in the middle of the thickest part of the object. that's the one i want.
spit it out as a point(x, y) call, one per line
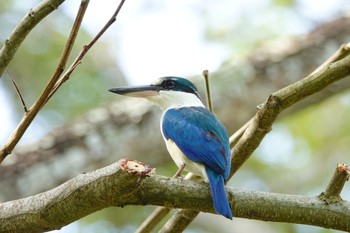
point(169, 84)
point(172, 83)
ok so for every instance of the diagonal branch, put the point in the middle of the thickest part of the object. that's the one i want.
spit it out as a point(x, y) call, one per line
point(153, 219)
point(84, 50)
point(261, 123)
point(233, 112)
point(18, 92)
point(55, 82)
point(16, 38)
point(159, 213)
point(113, 186)
point(181, 219)
point(281, 100)
point(27, 119)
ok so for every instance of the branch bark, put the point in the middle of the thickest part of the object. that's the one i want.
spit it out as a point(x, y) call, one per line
point(55, 82)
point(112, 186)
point(336, 184)
point(261, 123)
point(41, 213)
point(29, 116)
point(19, 34)
point(263, 74)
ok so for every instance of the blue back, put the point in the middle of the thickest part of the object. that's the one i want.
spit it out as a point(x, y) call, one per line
point(200, 136)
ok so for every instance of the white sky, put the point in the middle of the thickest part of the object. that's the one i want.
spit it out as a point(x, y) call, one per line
point(165, 39)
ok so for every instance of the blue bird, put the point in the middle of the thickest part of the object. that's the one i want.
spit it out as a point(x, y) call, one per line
point(195, 139)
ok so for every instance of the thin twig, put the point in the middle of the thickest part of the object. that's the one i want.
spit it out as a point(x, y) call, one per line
point(85, 49)
point(25, 26)
point(267, 113)
point(182, 218)
point(151, 222)
point(7, 148)
point(207, 88)
point(159, 213)
point(18, 92)
point(343, 51)
point(238, 134)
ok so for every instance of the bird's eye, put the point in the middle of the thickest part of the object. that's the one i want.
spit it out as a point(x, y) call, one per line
point(170, 84)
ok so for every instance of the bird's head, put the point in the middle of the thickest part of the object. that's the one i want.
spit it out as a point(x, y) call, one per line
point(166, 92)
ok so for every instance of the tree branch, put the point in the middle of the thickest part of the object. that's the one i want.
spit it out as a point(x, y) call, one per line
point(266, 74)
point(336, 184)
point(55, 82)
point(152, 221)
point(114, 186)
point(245, 134)
point(29, 116)
point(281, 100)
point(85, 49)
point(275, 104)
point(18, 92)
point(179, 221)
point(16, 38)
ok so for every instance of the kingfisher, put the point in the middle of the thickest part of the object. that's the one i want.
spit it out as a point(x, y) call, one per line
point(196, 140)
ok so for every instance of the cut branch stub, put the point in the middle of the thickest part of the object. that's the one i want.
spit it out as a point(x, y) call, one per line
point(336, 184)
point(136, 167)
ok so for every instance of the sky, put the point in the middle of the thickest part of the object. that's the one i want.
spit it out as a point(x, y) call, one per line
point(155, 38)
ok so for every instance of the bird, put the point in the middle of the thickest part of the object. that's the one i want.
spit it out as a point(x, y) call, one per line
point(196, 140)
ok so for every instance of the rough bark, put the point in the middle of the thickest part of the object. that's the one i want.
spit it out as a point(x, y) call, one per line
point(87, 143)
point(33, 17)
point(112, 186)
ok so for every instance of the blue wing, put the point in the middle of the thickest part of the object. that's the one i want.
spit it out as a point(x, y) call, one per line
point(200, 136)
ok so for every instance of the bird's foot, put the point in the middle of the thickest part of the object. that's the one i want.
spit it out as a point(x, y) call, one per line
point(181, 168)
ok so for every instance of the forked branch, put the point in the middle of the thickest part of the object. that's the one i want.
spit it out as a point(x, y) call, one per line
point(336, 68)
point(55, 80)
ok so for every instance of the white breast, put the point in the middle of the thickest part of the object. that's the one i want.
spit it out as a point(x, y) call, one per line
point(179, 158)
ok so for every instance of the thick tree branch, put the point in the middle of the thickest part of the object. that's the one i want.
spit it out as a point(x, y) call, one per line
point(284, 98)
point(112, 186)
point(16, 38)
point(275, 104)
point(267, 72)
point(266, 112)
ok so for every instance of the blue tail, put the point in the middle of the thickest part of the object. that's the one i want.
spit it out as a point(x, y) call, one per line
point(221, 205)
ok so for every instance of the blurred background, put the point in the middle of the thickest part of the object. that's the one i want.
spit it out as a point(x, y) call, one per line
point(251, 48)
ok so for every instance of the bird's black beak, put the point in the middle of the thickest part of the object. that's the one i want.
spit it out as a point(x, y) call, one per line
point(137, 91)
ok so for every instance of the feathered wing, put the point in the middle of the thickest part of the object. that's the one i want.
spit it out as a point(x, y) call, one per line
point(202, 139)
